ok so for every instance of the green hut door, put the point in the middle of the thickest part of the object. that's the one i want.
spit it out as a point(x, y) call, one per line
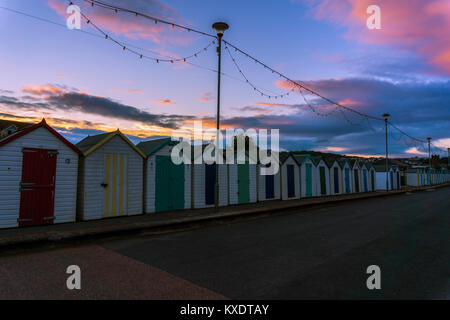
point(323, 188)
point(169, 185)
point(243, 183)
point(308, 191)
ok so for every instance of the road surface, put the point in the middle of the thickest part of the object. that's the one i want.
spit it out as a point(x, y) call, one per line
point(317, 253)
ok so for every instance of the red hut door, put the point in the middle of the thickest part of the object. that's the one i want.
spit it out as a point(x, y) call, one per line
point(37, 188)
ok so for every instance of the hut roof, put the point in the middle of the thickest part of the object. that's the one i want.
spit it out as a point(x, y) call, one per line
point(29, 128)
point(92, 143)
point(152, 146)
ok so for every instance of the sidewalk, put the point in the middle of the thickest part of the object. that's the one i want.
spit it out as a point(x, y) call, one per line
point(53, 234)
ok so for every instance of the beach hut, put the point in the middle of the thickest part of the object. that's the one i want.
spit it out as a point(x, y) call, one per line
point(167, 185)
point(335, 177)
point(290, 177)
point(38, 176)
point(323, 177)
point(356, 176)
point(242, 181)
point(347, 186)
point(308, 179)
point(269, 186)
point(110, 177)
point(204, 182)
point(365, 179)
point(381, 177)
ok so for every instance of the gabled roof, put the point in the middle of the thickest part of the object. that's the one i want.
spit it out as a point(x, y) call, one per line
point(42, 124)
point(343, 161)
point(92, 143)
point(285, 156)
point(316, 160)
point(330, 162)
point(152, 146)
point(300, 158)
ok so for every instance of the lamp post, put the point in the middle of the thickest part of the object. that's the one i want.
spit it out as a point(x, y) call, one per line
point(386, 117)
point(220, 28)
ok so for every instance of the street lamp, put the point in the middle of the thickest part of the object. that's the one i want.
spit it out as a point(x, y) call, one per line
point(386, 117)
point(220, 28)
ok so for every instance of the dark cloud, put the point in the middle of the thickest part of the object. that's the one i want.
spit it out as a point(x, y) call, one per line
point(112, 109)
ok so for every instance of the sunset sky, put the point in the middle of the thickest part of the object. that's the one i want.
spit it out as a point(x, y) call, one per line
point(84, 84)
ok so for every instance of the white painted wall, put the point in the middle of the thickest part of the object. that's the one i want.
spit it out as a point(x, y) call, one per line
point(11, 174)
point(150, 175)
point(92, 174)
point(381, 180)
point(284, 179)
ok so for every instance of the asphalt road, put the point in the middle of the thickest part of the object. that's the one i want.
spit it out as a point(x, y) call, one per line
point(317, 253)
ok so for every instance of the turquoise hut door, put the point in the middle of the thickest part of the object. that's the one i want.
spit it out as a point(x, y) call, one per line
point(308, 180)
point(243, 183)
point(169, 185)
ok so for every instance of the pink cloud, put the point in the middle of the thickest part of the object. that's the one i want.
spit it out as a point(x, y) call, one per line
point(421, 27)
point(129, 25)
point(164, 101)
point(205, 97)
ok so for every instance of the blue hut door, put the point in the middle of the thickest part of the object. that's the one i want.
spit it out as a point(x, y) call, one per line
point(398, 180)
point(210, 183)
point(290, 181)
point(336, 180)
point(270, 192)
point(347, 180)
point(365, 180)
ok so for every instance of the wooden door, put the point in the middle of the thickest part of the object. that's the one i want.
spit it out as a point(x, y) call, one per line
point(37, 187)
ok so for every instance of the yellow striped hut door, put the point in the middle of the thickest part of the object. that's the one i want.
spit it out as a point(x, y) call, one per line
point(116, 180)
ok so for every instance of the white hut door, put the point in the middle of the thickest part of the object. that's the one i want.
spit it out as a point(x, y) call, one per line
point(116, 185)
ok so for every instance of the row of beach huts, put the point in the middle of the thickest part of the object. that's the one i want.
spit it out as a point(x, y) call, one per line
point(44, 179)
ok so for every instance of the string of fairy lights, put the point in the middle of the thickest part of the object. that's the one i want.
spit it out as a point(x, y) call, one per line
point(296, 86)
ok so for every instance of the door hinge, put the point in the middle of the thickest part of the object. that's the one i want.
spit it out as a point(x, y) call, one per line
point(48, 218)
point(24, 220)
point(25, 189)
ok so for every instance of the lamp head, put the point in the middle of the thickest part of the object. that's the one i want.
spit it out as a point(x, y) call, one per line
point(386, 116)
point(220, 28)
